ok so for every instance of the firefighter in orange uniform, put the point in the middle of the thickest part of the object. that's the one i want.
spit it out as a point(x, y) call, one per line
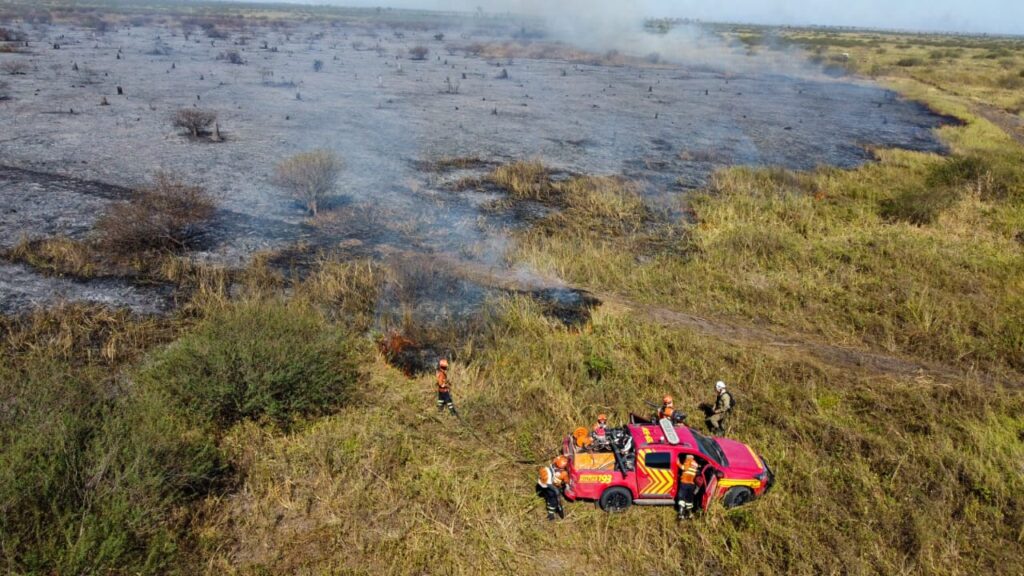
point(444, 391)
point(600, 432)
point(686, 491)
point(550, 481)
point(667, 409)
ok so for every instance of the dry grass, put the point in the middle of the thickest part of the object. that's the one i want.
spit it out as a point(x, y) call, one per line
point(603, 204)
point(103, 472)
point(58, 256)
point(913, 255)
point(870, 475)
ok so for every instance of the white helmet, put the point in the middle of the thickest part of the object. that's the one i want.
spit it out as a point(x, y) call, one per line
point(719, 386)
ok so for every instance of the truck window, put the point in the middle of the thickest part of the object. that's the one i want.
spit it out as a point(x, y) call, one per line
point(661, 460)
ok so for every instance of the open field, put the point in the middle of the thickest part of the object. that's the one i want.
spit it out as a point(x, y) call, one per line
point(200, 376)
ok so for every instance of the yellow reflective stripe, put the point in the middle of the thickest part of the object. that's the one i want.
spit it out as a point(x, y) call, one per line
point(730, 482)
point(658, 481)
point(760, 465)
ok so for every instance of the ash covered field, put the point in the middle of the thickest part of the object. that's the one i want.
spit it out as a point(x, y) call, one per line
point(89, 119)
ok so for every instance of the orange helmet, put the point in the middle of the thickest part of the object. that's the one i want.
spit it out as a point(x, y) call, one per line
point(667, 400)
point(602, 418)
point(442, 363)
point(561, 462)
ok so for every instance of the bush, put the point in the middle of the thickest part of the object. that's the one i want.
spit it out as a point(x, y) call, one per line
point(309, 177)
point(318, 65)
point(419, 52)
point(91, 483)
point(957, 171)
point(5, 90)
point(909, 62)
point(8, 35)
point(166, 216)
point(258, 361)
point(944, 184)
point(1011, 82)
point(919, 206)
point(231, 57)
point(195, 120)
point(14, 67)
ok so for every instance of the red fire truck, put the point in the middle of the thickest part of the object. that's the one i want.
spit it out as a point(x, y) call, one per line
point(639, 464)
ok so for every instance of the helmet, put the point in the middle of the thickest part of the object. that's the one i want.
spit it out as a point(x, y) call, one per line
point(442, 363)
point(561, 462)
point(667, 400)
point(602, 418)
point(719, 385)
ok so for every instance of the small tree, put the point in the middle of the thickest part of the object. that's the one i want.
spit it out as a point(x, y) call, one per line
point(195, 120)
point(318, 65)
point(309, 177)
point(419, 52)
point(4, 91)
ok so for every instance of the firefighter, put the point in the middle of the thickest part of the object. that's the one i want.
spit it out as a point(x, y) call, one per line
point(718, 416)
point(444, 391)
point(600, 433)
point(550, 480)
point(686, 490)
point(666, 410)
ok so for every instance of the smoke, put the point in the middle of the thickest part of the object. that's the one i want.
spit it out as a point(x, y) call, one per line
point(608, 25)
point(976, 17)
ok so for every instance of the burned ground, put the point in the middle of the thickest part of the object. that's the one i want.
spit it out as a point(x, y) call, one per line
point(394, 124)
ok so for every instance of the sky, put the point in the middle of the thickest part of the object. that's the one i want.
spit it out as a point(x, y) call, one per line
point(973, 16)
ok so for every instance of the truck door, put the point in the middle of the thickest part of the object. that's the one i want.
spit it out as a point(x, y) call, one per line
point(656, 473)
point(710, 488)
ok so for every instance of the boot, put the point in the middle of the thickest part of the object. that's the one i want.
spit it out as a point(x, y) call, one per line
point(551, 515)
point(685, 513)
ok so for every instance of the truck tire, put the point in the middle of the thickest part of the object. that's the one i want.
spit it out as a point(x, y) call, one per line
point(737, 496)
point(616, 499)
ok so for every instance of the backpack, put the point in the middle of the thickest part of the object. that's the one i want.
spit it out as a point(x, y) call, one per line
point(732, 402)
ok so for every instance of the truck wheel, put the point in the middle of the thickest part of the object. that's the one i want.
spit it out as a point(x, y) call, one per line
point(737, 496)
point(616, 499)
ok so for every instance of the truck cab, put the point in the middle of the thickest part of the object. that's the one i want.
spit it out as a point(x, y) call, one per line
point(639, 464)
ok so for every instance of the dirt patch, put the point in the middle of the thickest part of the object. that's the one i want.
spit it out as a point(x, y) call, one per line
point(1012, 124)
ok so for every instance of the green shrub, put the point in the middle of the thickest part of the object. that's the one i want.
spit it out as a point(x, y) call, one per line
point(918, 206)
point(597, 365)
point(957, 171)
point(1010, 82)
point(256, 361)
point(909, 62)
point(89, 484)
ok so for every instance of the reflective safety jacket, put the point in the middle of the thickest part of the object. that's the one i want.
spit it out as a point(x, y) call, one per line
point(688, 471)
point(723, 403)
point(666, 412)
point(442, 381)
point(599, 430)
point(550, 476)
